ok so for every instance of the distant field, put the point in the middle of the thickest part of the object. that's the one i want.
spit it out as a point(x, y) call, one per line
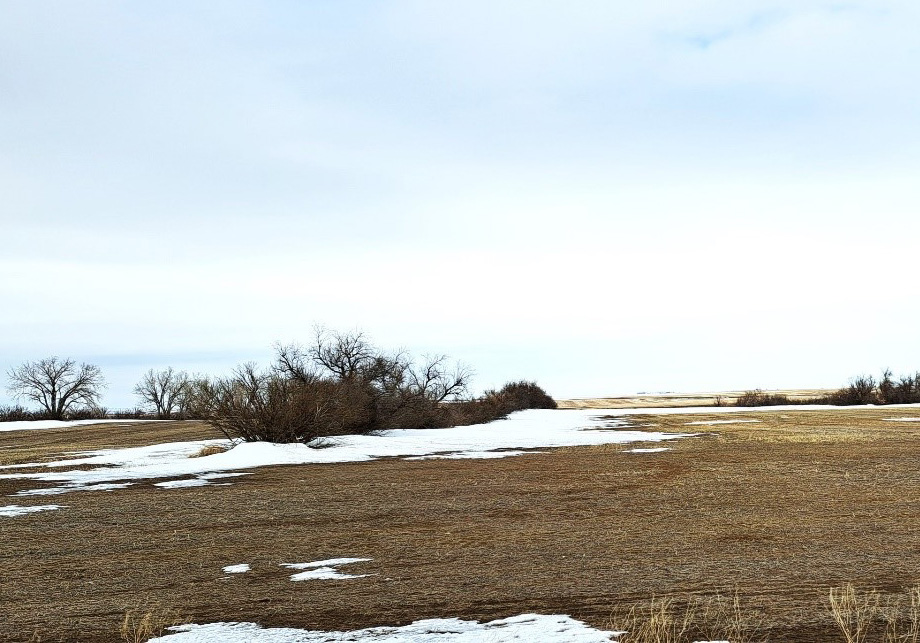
point(671, 400)
point(779, 509)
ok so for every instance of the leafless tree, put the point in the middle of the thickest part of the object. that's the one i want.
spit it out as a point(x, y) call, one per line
point(57, 385)
point(164, 391)
point(345, 355)
point(434, 380)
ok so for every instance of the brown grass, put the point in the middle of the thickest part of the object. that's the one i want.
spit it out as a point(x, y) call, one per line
point(211, 449)
point(782, 510)
point(671, 400)
point(142, 625)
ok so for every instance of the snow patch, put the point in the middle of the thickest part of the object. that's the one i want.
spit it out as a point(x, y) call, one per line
point(11, 511)
point(902, 419)
point(325, 569)
point(651, 450)
point(201, 481)
point(31, 425)
point(471, 455)
point(242, 568)
point(526, 627)
point(67, 488)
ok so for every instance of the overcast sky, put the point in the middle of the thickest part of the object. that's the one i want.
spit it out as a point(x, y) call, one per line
point(605, 197)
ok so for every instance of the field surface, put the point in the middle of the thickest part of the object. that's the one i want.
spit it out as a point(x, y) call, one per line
point(678, 400)
point(779, 507)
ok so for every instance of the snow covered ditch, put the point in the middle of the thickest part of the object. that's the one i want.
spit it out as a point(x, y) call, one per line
point(534, 429)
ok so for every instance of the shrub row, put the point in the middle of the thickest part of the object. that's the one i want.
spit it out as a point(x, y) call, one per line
point(20, 414)
point(863, 389)
point(342, 385)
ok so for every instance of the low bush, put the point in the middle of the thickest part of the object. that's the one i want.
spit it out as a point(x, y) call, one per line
point(20, 414)
point(761, 398)
point(129, 414)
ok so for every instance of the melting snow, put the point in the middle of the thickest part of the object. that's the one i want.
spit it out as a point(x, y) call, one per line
point(902, 419)
point(67, 488)
point(526, 627)
point(503, 438)
point(324, 569)
point(30, 425)
point(200, 481)
point(652, 450)
point(534, 429)
point(237, 569)
point(11, 511)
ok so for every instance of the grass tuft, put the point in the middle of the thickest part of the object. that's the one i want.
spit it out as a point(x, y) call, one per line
point(139, 626)
point(211, 449)
point(664, 620)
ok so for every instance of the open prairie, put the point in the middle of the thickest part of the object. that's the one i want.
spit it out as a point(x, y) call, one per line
point(673, 400)
point(778, 506)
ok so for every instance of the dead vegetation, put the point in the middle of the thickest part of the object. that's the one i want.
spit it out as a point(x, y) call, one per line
point(141, 625)
point(782, 510)
point(709, 618)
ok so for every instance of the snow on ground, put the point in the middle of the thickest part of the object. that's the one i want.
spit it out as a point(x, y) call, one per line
point(11, 511)
point(30, 425)
point(200, 481)
point(533, 429)
point(325, 569)
point(242, 568)
point(513, 436)
point(67, 488)
point(902, 419)
point(652, 450)
point(526, 627)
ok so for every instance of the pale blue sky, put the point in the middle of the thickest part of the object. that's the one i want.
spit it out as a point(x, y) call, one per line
point(602, 196)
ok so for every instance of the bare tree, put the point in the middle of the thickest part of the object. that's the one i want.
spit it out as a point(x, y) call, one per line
point(56, 384)
point(163, 390)
point(433, 380)
point(345, 355)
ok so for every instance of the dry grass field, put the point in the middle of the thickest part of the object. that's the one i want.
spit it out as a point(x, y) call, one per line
point(778, 510)
point(672, 400)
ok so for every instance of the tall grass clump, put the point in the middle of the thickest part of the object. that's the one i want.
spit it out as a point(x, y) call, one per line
point(709, 618)
point(140, 625)
point(861, 614)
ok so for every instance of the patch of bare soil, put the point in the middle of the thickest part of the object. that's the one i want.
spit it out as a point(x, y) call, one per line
point(779, 510)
